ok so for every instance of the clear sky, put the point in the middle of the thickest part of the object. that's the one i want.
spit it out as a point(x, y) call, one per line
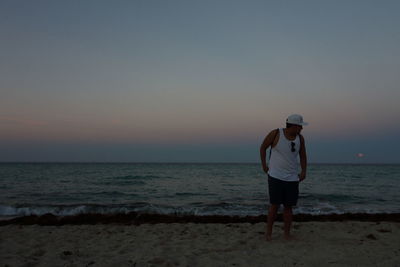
point(197, 81)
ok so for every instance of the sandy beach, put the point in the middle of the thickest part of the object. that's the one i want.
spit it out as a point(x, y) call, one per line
point(346, 243)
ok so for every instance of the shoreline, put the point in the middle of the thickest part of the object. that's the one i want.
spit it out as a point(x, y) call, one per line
point(135, 218)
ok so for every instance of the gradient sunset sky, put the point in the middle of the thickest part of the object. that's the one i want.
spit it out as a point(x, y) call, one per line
point(197, 81)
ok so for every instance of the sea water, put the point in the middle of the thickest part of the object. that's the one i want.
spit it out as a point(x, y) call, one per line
point(195, 189)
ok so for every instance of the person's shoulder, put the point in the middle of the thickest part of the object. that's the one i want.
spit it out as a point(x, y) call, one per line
point(301, 138)
point(274, 132)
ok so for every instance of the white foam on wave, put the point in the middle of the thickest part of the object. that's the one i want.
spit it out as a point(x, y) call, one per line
point(143, 208)
point(59, 210)
point(323, 208)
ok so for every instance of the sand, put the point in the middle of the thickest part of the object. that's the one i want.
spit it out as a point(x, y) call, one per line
point(348, 243)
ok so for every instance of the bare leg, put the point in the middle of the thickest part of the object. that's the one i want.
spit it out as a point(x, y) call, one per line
point(287, 218)
point(273, 209)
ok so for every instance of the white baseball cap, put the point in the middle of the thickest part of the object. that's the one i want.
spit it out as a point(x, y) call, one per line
point(296, 119)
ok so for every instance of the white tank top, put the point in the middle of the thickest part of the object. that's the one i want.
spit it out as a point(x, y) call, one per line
point(284, 164)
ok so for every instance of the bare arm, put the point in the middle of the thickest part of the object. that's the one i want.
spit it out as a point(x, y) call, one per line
point(268, 141)
point(303, 159)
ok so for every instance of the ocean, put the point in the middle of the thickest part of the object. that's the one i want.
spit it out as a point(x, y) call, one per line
point(189, 189)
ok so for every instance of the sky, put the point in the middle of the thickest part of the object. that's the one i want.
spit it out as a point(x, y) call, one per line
point(197, 81)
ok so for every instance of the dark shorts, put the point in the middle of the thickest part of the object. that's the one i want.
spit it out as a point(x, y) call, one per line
point(283, 192)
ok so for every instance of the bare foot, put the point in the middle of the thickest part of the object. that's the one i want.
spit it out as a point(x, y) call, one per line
point(268, 237)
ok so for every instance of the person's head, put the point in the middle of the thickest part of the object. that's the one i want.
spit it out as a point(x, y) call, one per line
point(295, 123)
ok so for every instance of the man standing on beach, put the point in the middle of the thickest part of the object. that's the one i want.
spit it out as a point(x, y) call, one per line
point(284, 174)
